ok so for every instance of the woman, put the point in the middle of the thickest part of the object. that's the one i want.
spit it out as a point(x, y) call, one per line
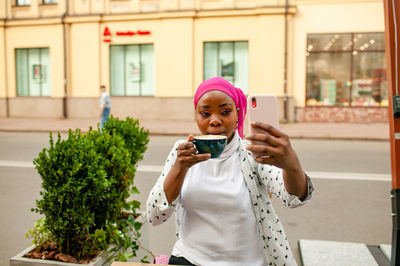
point(224, 215)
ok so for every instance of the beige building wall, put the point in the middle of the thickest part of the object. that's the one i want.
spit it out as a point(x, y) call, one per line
point(174, 58)
point(35, 10)
point(329, 18)
point(264, 31)
point(3, 9)
point(173, 50)
point(31, 34)
point(178, 30)
point(84, 54)
point(25, 34)
point(128, 23)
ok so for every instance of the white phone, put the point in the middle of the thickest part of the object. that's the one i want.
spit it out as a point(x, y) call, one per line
point(262, 108)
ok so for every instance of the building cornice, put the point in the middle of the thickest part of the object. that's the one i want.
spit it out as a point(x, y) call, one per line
point(83, 19)
point(193, 14)
point(332, 2)
point(32, 22)
point(273, 10)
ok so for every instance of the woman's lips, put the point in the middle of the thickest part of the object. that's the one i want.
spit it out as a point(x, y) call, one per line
point(215, 133)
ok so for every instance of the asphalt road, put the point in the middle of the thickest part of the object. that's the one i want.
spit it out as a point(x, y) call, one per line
point(351, 202)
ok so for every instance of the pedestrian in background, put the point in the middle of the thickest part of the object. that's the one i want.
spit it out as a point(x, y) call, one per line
point(224, 215)
point(105, 105)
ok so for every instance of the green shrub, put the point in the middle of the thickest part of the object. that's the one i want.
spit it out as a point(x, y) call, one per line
point(87, 180)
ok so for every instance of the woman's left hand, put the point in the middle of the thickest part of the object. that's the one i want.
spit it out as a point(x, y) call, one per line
point(273, 147)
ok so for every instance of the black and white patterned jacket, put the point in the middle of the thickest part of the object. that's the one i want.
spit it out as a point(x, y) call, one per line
point(259, 178)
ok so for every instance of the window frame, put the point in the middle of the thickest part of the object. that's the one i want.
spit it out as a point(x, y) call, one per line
point(124, 46)
point(351, 69)
point(219, 43)
point(18, 4)
point(44, 2)
point(40, 49)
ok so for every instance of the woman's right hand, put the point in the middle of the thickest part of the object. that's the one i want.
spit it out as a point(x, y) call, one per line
point(187, 155)
point(186, 158)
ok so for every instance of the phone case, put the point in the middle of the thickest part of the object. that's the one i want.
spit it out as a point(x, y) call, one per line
point(262, 108)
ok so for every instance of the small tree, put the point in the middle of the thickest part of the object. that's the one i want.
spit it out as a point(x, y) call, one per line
point(86, 182)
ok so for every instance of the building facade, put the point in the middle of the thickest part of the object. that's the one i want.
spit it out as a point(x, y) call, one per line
point(325, 60)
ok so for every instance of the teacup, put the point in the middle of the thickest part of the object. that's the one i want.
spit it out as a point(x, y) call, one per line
point(214, 144)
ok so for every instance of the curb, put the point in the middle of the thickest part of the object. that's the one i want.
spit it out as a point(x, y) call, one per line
point(158, 133)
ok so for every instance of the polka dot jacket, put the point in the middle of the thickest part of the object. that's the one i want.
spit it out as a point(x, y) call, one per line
point(259, 179)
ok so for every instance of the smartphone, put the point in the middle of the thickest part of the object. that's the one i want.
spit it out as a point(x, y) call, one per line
point(262, 108)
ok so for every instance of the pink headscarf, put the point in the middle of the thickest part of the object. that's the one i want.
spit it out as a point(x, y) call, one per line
point(237, 95)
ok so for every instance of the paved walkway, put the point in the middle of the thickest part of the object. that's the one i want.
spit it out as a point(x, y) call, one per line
point(352, 131)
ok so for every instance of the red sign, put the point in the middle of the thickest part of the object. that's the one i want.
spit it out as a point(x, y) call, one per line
point(107, 33)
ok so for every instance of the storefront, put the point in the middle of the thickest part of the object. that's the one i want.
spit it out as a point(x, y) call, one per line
point(342, 49)
point(152, 56)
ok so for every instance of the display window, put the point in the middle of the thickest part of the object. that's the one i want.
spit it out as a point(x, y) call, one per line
point(33, 71)
point(48, 2)
point(346, 69)
point(229, 60)
point(22, 2)
point(132, 70)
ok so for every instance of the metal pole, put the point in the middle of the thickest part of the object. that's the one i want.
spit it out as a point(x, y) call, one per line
point(5, 58)
point(392, 34)
point(64, 102)
point(285, 77)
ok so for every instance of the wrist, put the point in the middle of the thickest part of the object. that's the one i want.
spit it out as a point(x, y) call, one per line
point(179, 169)
point(294, 171)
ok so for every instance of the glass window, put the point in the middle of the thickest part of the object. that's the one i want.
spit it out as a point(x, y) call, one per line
point(46, 2)
point(346, 70)
point(33, 72)
point(23, 2)
point(228, 60)
point(132, 70)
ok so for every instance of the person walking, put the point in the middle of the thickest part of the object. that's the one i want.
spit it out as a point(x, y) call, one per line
point(105, 105)
point(224, 215)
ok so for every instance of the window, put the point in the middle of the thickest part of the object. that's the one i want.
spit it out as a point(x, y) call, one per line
point(33, 72)
point(228, 60)
point(132, 70)
point(47, 2)
point(23, 2)
point(346, 70)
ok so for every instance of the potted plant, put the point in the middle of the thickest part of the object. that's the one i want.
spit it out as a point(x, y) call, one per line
point(87, 181)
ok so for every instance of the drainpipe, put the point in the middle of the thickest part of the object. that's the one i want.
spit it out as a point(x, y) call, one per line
point(5, 60)
point(64, 102)
point(285, 77)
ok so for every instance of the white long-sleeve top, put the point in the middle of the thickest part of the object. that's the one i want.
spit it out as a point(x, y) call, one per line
point(264, 231)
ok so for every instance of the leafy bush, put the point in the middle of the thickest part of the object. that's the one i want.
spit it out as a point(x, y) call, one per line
point(87, 180)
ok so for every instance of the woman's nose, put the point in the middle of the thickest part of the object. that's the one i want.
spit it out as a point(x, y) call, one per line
point(215, 121)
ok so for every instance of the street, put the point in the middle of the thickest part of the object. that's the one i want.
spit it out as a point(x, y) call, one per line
point(351, 201)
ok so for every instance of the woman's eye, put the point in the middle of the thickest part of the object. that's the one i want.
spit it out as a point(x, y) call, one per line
point(203, 113)
point(225, 112)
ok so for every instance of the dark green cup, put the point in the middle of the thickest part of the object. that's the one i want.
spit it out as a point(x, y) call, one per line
point(214, 144)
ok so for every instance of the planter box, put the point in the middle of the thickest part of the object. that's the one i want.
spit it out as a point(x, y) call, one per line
point(101, 259)
point(20, 260)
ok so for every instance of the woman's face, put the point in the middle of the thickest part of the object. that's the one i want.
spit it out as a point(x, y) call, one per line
point(216, 114)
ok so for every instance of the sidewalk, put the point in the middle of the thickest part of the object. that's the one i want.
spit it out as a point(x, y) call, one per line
point(348, 131)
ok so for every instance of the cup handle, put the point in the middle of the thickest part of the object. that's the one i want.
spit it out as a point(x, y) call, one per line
point(194, 142)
